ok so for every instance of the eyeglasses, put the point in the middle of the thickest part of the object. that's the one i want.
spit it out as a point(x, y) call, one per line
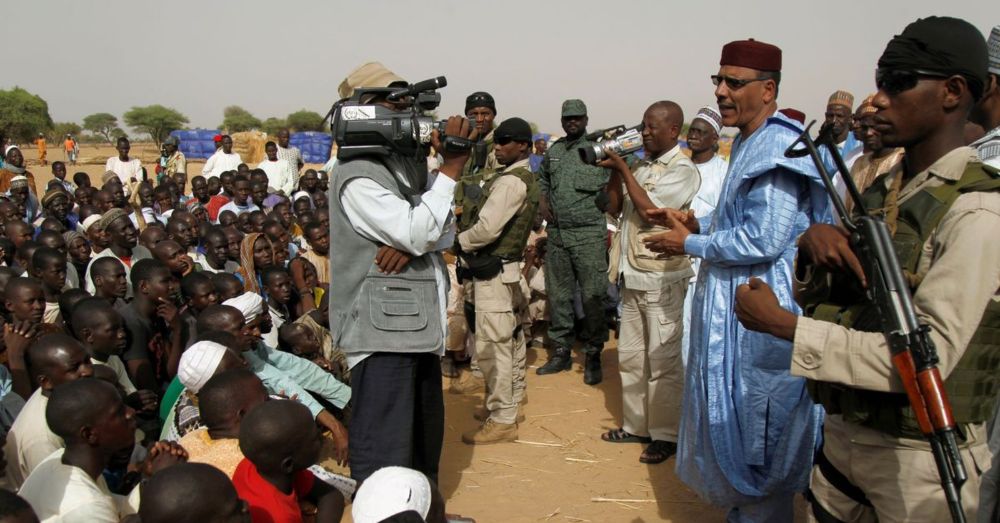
point(895, 81)
point(736, 84)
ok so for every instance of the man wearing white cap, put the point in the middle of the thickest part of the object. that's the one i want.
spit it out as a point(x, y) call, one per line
point(703, 141)
point(275, 368)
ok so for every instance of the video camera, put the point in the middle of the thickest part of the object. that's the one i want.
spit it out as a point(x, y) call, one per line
point(619, 139)
point(362, 128)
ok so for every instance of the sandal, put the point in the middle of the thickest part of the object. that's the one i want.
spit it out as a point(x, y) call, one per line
point(620, 436)
point(658, 452)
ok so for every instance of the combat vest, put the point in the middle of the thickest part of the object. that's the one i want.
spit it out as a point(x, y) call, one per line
point(371, 311)
point(472, 193)
point(973, 384)
point(639, 256)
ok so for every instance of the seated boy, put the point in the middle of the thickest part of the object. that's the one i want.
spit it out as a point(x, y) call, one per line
point(280, 441)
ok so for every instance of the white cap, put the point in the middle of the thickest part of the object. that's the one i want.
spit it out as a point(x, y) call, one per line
point(249, 303)
point(389, 491)
point(198, 364)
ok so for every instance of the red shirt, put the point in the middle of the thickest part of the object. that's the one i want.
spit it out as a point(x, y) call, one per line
point(267, 503)
point(214, 204)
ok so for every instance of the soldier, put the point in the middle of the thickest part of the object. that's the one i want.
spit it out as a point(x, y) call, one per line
point(573, 202)
point(495, 221)
point(940, 203)
point(481, 109)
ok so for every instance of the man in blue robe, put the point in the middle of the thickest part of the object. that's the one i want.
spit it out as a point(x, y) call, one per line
point(748, 429)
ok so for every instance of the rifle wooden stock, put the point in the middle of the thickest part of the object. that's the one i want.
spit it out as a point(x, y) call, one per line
point(912, 351)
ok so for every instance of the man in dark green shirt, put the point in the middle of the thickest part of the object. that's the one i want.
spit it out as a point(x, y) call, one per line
point(573, 203)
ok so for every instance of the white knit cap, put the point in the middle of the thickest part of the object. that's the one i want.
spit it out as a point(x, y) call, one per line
point(389, 491)
point(249, 303)
point(198, 364)
point(88, 221)
point(7, 150)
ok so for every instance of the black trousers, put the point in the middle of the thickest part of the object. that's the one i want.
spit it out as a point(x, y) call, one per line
point(397, 414)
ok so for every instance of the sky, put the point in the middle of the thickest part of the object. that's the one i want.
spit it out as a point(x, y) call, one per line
point(276, 57)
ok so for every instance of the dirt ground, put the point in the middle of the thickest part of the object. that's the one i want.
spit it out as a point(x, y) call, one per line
point(559, 470)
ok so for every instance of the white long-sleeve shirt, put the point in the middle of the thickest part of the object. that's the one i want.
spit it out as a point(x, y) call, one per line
point(281, 175)
point(381, 216)
point(221, 162)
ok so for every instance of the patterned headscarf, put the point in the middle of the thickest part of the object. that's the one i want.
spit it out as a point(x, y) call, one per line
point(247, 268)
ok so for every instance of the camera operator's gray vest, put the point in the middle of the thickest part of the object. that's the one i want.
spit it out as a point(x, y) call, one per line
point(371, 311)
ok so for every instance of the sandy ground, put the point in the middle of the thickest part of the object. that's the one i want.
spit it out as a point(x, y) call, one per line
point(559, 466)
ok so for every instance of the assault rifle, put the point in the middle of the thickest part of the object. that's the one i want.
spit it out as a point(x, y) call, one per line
point(913, 352)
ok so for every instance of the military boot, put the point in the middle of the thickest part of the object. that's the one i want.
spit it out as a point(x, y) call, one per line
point(592, 373)
point(491, 432)
point(561, 360)
point(469, 382)
point(482, 414)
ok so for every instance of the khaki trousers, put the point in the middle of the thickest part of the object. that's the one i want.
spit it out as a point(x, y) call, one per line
point(898, 476)
point(500, 347)
point(649, 360)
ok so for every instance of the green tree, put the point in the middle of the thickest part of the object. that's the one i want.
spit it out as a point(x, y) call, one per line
point(23, 115)
point(272, 125)
point(101, 124)
point(61, 129)
point(237, 119)
point(304, 120)
point(155, 120)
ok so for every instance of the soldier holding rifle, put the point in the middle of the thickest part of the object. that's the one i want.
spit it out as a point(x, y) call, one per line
point(940, 205)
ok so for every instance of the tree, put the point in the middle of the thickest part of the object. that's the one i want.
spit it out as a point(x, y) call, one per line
point(102, 124)
point(61, 129)
point(155, 120)
point(237, 119)
point(304, 121)
point(272, 125)
point(23, 115)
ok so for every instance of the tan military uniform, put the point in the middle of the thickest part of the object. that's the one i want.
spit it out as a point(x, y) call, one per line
point(500, 302)
point(961, 276)
point(652, 318)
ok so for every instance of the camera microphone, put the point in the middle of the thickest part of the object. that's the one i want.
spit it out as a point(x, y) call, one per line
point(419, 87)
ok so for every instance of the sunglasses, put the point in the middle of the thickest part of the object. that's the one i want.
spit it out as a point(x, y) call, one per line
point(503, 140)
point(895, 81)
point(736, 83)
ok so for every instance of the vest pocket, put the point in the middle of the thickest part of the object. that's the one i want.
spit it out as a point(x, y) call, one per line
point(400, 305)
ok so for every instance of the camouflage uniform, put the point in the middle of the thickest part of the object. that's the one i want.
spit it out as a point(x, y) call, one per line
point(577, 244)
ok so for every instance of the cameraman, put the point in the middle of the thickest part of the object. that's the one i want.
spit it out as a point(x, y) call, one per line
point(387, 303)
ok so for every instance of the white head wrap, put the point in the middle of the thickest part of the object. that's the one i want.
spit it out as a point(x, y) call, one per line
point(7, 150)
point(198, 364)
point(711, 116)
point(389, 491)
point(249, 303)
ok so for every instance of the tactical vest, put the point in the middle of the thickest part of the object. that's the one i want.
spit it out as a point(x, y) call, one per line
point(471, 197)
point(973, 384)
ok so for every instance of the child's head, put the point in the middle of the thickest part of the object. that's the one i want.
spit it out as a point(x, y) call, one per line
point(278, 284)
point(299, 340)
point(227, 397)
point(198, 291)
point(152, 280)
point(191, 492)
point(81, 179)
point(280, 437)
point(14, 509)
point(227, 286)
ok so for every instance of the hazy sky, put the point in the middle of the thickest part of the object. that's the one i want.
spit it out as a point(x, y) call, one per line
point(275, 57)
